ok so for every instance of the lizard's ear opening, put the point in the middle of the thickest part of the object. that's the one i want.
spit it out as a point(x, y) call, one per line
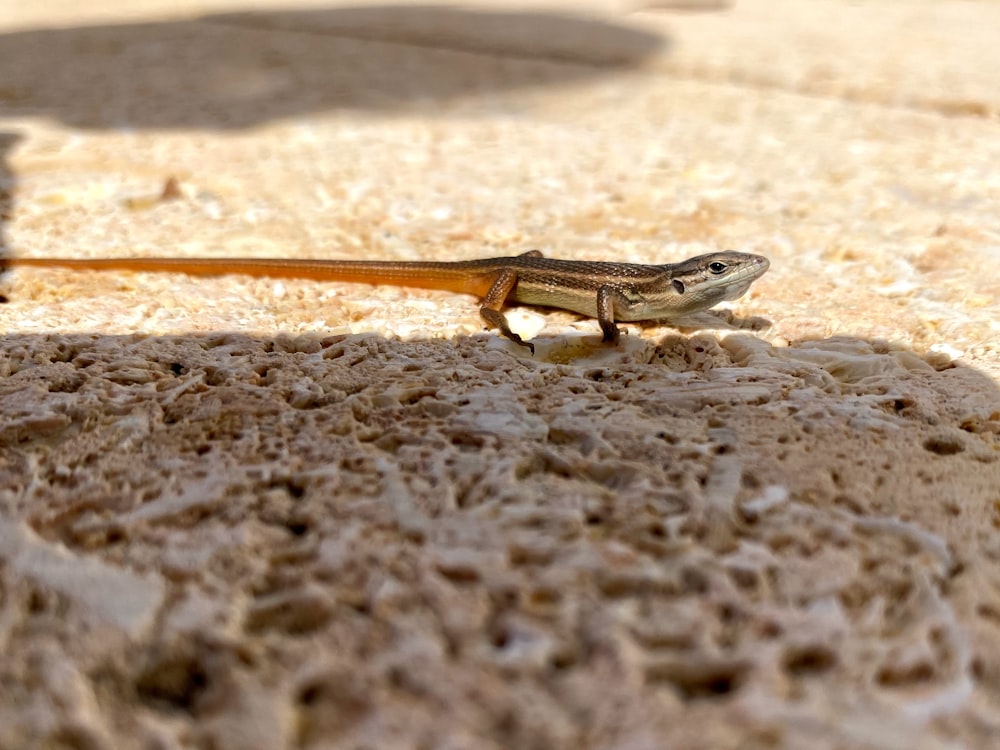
point(678, 286)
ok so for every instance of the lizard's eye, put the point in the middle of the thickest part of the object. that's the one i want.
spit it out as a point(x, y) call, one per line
point(717, 267)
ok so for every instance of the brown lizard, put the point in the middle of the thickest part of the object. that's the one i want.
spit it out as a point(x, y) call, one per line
point(608, 291)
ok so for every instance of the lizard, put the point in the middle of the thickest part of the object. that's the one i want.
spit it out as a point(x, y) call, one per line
point(608, 291)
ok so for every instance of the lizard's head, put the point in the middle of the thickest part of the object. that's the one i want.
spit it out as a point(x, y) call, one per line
point(705, 280)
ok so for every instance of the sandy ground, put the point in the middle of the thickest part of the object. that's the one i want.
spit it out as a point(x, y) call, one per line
point(260, 514)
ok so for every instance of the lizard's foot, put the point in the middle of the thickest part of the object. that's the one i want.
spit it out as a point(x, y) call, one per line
point(495, 319)
point(611, 332)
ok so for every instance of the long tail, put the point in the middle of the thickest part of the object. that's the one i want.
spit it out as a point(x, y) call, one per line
point(472, 277)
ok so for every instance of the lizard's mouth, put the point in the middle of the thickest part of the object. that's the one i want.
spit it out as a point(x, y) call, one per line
point(738, 290)
point(751, 273)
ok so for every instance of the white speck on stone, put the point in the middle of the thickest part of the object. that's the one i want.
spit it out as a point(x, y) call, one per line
point(947, 349)
point(897, 288)
point(772, 496)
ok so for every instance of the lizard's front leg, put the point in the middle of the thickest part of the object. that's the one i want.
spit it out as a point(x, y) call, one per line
point(607, 296)
point(494, 301)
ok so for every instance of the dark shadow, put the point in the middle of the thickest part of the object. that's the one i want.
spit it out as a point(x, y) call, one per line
point(243, 69)
point(724, 320)
point(7, 185)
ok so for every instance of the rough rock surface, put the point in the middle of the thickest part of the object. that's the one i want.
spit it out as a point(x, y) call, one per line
point(258, 514)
